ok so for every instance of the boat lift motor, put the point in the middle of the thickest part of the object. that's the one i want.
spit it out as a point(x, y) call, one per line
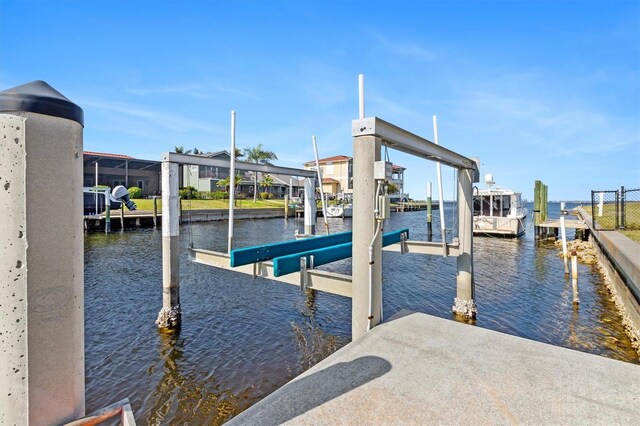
point(121, 194)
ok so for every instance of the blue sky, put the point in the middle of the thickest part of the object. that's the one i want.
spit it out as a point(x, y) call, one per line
point(538, 90)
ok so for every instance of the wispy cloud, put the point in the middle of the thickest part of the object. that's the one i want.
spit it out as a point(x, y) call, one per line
point(168, 121)
point(192, 90)
point(406, 49)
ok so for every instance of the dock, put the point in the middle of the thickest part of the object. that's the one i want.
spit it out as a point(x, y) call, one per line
point(568, 223)
point(420, 369)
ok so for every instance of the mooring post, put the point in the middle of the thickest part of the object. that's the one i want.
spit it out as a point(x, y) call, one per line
point(464, 303)
point(366, 150)
point(169, 316)
point(155, 211)
point(286, 206)
point(310, 211)
point(536, 209)
point(429, 214)
point(565, 257)
point(122, 217)
point(232, 182)
point(41, 266)
point(107, 212)
point(574, 276)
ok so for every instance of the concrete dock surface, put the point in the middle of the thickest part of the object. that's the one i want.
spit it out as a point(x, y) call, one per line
point(420, 369)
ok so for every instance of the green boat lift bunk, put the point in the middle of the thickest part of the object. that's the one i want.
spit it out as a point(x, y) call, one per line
point(294, 262)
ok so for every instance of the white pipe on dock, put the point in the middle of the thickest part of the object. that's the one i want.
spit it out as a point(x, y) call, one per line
point(309, 206)
point(319, 172)
point(361, 96)
point(443, 228)
point(232, 181)
point(574, 276)
point(563, 233)
point(600, 203)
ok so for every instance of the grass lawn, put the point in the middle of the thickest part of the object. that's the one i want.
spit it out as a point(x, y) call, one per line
point(147, 204)
point(632, 219)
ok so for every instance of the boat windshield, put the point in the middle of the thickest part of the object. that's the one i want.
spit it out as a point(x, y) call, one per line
point(491, 205)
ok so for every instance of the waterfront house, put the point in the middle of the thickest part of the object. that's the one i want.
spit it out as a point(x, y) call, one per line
point(206, 178)
point(115, 169)
point(337, 174)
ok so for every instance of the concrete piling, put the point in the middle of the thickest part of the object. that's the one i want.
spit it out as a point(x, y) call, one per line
point(574, 276)
point(169, 316)
point(41, 266)
point(366, 150)
point(464, 303)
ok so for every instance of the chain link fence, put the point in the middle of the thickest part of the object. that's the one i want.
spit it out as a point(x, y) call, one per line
point(616, 209)
point(630, 208)
point(604, 209)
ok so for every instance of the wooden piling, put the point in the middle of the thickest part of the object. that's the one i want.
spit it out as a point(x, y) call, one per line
point(536, 208)
point(563, 233)
point(155, 211)
point(122, 217)
point(107, 220)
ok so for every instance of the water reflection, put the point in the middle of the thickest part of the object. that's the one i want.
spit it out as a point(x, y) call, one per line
point(242, 338)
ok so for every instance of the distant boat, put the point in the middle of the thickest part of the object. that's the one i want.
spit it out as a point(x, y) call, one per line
point(340, 210)
point(498, 212)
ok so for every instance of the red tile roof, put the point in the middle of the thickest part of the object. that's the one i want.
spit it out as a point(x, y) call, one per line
point(102, 154)
point(330, 159)
point(329, 180)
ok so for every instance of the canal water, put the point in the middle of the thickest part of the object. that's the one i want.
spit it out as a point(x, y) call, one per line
point(242, 338)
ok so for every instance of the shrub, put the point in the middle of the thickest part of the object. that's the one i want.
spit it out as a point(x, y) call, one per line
point(265, 195)
point(188, 192)
point(219, 195)
point(135, 192)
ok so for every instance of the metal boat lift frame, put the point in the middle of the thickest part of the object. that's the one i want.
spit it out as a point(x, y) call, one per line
point(369, 134)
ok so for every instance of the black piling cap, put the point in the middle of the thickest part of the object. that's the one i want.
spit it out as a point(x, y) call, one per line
point(41, 98)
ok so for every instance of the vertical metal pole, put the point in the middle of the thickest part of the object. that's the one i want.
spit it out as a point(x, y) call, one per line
point(169, 316)
point(361, 96)
point(464, 303)
point(623, 218)
point(310, 212)
point(366, 150)
point(126, 173)
point(565, 256)
point(429, 214)
point(443, 228)
point(232, 181)
point(96, 189)
point(324, 204)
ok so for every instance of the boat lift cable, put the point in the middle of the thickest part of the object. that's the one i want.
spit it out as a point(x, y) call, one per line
point(189, 222)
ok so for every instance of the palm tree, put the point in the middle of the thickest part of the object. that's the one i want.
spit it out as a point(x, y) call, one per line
point(258, 155)
point(225, 182)
point(180, 150)
point(266, 182)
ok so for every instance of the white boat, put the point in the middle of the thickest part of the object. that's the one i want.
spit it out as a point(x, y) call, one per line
point(498, 211)
point(340, 210)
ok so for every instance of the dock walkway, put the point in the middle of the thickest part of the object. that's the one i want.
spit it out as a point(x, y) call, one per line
point(419, 369)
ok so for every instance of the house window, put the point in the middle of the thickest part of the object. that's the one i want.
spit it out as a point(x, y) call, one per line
point(328, 169)
point(140, 184)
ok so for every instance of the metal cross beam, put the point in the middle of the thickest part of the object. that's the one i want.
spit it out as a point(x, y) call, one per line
point(402, 140)
point(199, 160)
point(315, 279)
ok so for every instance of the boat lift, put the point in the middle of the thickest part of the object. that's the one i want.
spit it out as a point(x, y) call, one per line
point(294, 262)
